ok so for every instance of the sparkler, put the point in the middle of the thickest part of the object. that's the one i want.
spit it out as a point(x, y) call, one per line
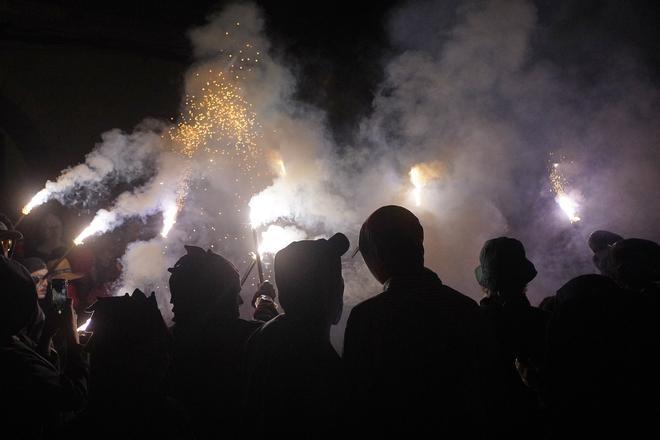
point(565, 202)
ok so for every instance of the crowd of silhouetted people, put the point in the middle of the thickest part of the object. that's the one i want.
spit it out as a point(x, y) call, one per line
point(420, 359)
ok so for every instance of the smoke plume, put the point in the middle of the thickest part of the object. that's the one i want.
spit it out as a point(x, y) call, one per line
point(467, 92)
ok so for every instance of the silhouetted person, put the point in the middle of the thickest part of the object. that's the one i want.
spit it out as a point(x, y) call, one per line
point(209, 341)
point(8, 237)
point(294, 373)
point(635, 264)
point(129, 356)
point(601, 371)
point(413, 353)
point(34, 394)
point(519, 331)
point(600, 242)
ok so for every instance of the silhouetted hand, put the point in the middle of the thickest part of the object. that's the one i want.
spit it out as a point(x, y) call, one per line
point(263, 302)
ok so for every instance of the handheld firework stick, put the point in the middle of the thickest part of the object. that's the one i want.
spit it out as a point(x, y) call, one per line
point(248, 272)
point(260, 268)
point(20, 219)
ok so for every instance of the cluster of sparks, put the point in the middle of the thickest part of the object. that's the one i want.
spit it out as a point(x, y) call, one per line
point(565, 202)
point(219, 121)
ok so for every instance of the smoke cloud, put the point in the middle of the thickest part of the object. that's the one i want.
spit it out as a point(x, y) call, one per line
point(468, 90)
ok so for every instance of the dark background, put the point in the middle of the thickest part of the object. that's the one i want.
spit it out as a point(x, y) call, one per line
point(72, 69)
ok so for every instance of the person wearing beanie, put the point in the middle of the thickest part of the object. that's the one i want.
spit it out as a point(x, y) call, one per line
point(294, 376)
point(208, 340)
point(414, 354)
point(519, 331)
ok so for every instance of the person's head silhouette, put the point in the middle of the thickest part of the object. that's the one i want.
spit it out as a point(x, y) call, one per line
point(504, 269)
point(309, 280)
point(391, 243)
point(203, 282)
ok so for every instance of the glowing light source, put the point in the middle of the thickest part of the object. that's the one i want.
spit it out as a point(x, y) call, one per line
point(84, 326)
point(565, 202)
point(421, 174)
point(169, 219)
point(266, 207)
point(277, 237)
point(101, 223)
point(39, 199)
point(569, 206)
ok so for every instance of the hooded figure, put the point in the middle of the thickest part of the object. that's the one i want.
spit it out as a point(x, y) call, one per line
point(129, 355)
point(415, 353)
point(294, 373)
point(27, 377)
point(209, 341)
point(518, 329)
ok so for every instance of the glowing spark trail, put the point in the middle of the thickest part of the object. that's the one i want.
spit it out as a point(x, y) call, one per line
point(169, 219)
point(566, 203)
point(39, 199)
point(103, 220)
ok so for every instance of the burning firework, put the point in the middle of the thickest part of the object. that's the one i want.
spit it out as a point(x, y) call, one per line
point(84, 326)
point(421, 174)
point(169, 219)
point(103, 221)
point(567, 203)
point(39, 199)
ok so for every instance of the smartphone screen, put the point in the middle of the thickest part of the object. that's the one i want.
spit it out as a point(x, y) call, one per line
point(59, 294)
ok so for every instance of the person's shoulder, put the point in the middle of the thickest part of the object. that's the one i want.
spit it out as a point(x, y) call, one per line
point(459, 298)
point(369, 305)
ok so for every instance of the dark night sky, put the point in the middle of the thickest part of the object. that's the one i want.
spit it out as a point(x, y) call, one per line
point(75, 68)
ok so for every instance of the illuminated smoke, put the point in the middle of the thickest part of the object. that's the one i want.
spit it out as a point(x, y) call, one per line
point(276, 238)
point(103, 222)
point(420, 175)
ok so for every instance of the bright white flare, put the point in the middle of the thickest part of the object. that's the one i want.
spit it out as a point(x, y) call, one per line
point(266, 207)
point(169, 219)
point(103, 221)
point(276, 238)
point(569, 206)
point(421, 174)
point(39, 199)
point(84, 326)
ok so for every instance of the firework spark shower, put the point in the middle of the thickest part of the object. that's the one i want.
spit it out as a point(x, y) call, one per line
point(468, 102)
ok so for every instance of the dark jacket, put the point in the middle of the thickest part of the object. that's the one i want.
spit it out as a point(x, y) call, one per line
point(206, 376)
point(519, 332)
point(416, 358)
point(34, 395)
point(294, 380)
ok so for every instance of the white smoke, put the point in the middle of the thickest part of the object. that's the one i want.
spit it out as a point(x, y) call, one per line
point(467, 88)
